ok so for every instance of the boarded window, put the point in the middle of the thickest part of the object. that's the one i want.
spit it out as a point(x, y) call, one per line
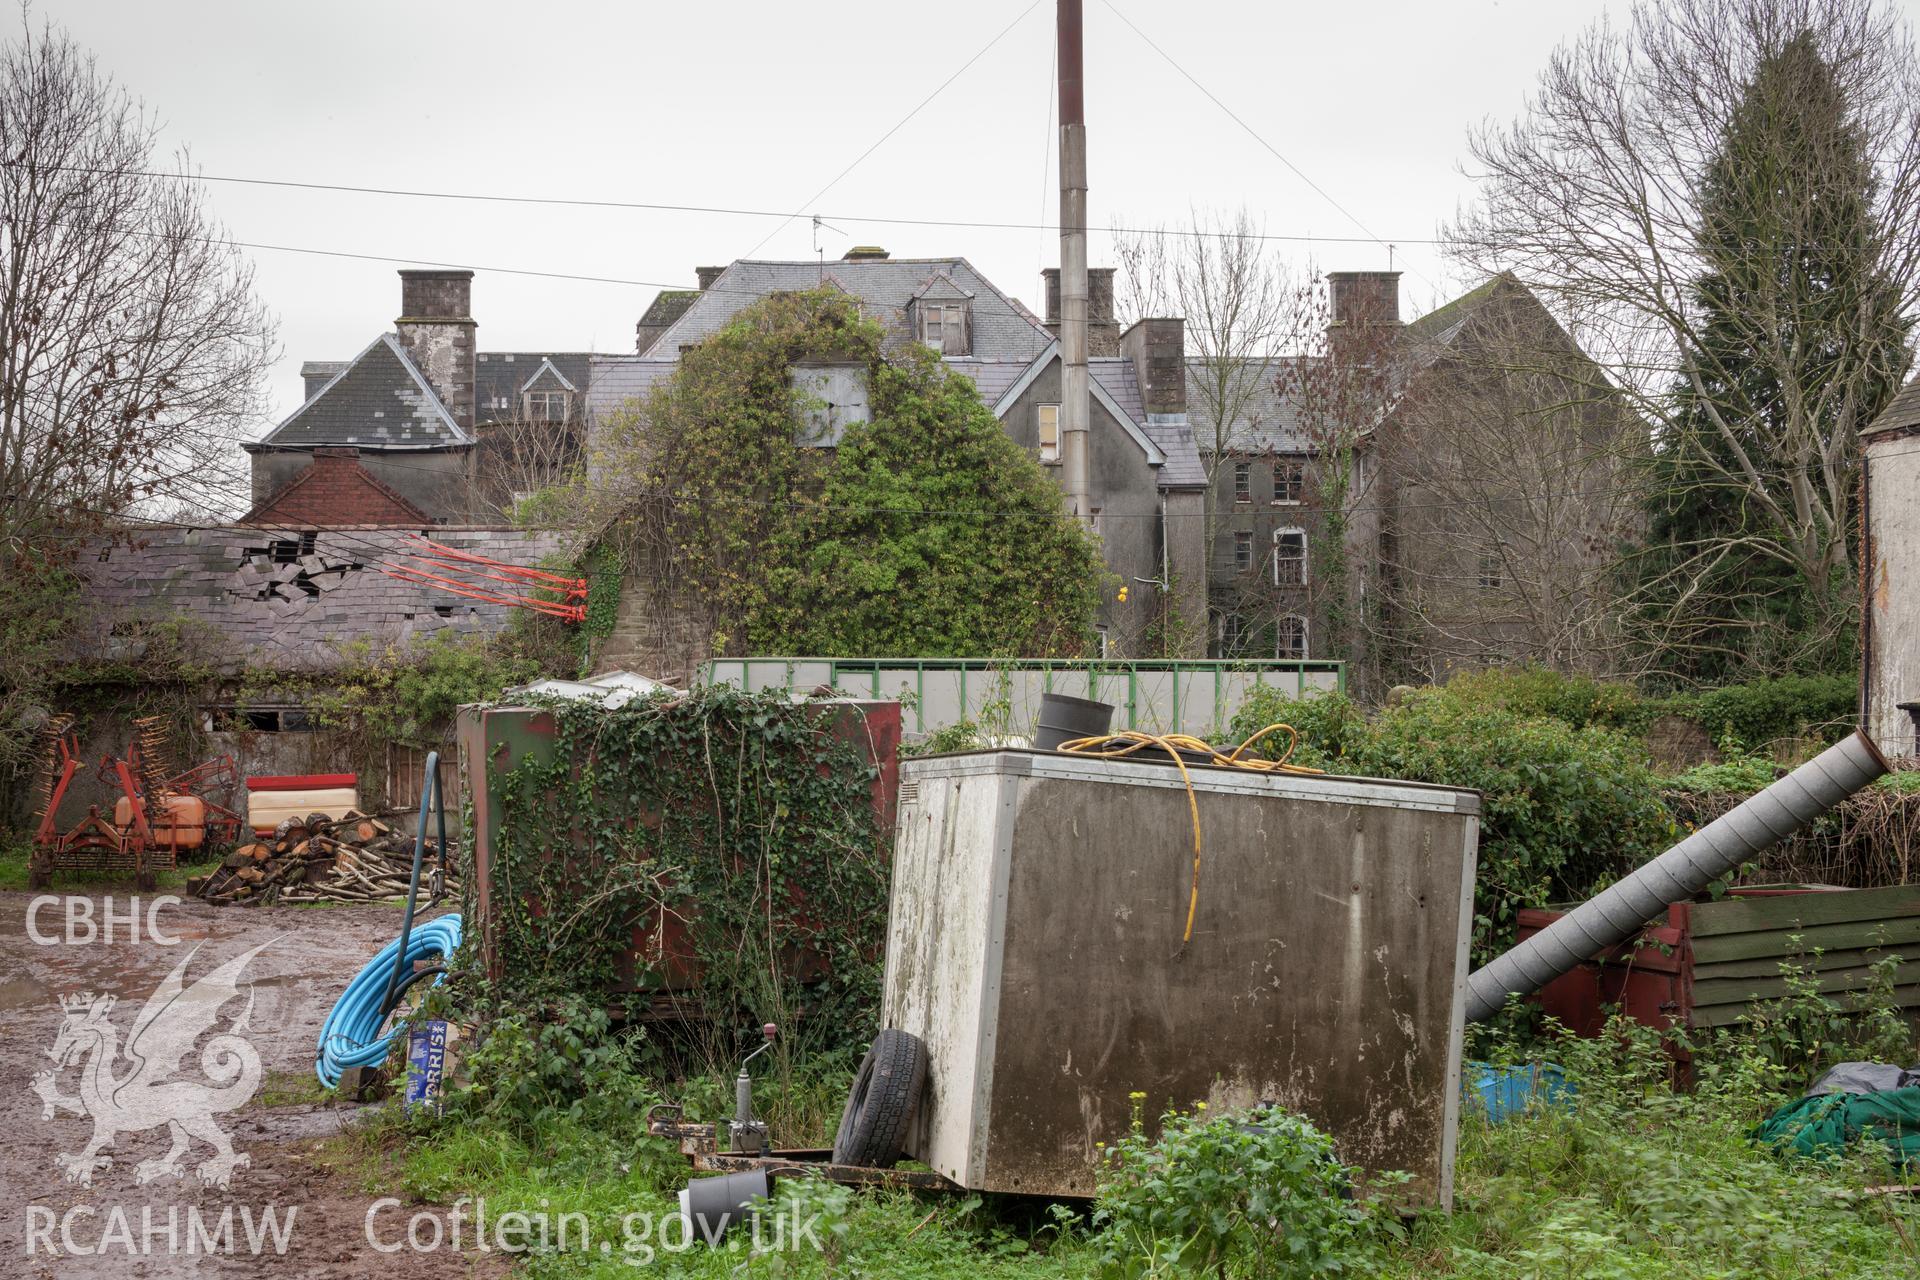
point(1289, 557)
point(832, 397)
point(1049, 433)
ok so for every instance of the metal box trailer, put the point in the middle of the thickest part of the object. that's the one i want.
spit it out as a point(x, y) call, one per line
point(1039, 902)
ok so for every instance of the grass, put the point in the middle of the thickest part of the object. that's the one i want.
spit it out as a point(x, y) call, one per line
point(291, 1089)
point(623, 1188)
point(13, 874)
point(1633, 1181)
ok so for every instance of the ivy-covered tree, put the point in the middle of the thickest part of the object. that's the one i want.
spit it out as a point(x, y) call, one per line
point(934, 535)
point(923, 532)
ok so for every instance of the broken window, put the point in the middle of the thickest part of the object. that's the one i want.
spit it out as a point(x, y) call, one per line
point(1232, 634)
point(1492, 575)
point(1243, 482)
point(1289, 480)
point(944, 327)
point(1242, 550)
point(1049, 433)
point(547, 406)
point(1289, 557)
point(1290, 637)
point(239, 719)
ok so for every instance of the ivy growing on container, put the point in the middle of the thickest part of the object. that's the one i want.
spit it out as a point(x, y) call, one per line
point(714, 852)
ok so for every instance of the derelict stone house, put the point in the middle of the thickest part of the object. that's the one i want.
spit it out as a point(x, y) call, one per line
point(1491, 498)
point(421, 428)
point(1481, 494)
point(1147, 481)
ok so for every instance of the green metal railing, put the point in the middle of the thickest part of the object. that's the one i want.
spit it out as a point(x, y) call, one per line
point(942, 691)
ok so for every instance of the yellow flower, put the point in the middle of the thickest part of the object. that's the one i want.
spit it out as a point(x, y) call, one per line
point(1141, 1093)
point(1199, 1106)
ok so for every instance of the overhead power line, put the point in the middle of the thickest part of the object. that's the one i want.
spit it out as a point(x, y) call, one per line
point(965, 224)
point(938, 90)
point(1253, 133)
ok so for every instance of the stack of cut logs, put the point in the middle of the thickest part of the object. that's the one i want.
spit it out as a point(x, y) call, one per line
point(357, 858)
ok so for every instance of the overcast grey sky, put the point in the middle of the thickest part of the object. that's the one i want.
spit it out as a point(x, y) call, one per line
point(757, 105)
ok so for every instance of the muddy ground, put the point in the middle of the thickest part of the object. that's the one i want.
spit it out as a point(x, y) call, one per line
point(311, 955)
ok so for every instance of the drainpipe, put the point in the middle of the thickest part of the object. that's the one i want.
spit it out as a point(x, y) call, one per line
point(1075, 388)
point(1764, 819)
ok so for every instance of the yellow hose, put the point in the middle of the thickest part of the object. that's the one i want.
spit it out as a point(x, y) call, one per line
point(1173, 744)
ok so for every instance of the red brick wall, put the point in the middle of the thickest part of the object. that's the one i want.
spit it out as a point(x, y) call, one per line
point(336, 490)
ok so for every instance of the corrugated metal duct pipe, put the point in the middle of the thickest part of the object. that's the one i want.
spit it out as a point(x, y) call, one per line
point(1676, 875)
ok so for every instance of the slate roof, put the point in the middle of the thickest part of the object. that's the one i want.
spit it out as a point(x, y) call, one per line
point(1903, 411)
point(296, 615)
point(1002, 330)
point(1269, 420)
point(379, 401)
point(1272, 421)
point(992, 377)
point(617, 380)
point(499, 376)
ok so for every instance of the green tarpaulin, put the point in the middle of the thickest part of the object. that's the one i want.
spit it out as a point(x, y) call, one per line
point(1826, 1124)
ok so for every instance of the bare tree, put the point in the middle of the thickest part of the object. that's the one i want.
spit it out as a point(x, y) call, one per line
point(1502, 500)
point(524, 456)
point(132, 347)
point(1218, 275)
point(1723, 198)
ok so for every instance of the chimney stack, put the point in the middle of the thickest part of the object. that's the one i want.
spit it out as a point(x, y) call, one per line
point(1103, 328)
point(1157, 346)
point(707, 276)
point(1360, 298)
point(865, 253)
point(437, 330)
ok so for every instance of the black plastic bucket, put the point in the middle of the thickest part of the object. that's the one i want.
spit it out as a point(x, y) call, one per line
point(1062, 719)
point(712, 1205)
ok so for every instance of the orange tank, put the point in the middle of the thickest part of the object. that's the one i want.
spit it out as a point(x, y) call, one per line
point(181, 825)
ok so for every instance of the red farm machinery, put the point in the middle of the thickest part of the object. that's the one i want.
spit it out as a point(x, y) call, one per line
point(156, 812)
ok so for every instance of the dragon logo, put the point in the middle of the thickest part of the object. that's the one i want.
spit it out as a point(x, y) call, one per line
point(131, 1090)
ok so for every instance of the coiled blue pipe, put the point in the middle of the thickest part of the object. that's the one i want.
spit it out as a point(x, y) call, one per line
point(351, 1036)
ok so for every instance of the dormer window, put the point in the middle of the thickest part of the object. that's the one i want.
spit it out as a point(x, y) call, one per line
point(943, 326)
point(547, 406)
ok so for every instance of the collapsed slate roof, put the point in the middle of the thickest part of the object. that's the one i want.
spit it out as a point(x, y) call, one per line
point(287, 598)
